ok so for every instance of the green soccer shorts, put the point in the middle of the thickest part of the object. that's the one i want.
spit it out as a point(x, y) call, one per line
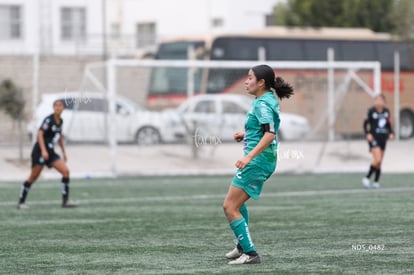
point(251, 179)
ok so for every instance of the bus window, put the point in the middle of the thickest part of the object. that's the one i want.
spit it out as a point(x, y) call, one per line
point(235, 48)
point(318, 49)
point(177, 50)
point(406, 56)
point(385, 52)
point(172, 81)
point(230, 48)
point(284, 50)
point(358, 51)
point(221, 79)
point(168, 81)
point(161, 79)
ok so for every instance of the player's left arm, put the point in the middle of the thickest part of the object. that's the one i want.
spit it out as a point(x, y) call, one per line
point(62, 146)
point(265, 117)
point(238, 136)
point(266, 140)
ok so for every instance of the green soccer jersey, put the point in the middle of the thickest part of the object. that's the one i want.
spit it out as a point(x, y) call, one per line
point(265, 110)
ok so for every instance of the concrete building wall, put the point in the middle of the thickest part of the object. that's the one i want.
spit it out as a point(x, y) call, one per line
point(41, 23)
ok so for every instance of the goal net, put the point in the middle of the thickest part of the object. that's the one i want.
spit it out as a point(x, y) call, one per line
point(330, 98)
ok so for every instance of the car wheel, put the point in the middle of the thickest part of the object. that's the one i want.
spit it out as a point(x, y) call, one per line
point(406, 124)
point(148, 136)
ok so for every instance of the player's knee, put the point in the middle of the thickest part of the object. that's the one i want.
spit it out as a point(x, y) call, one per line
point(376, 163)
point(225, 207)
point(228, 209)
point(65, 173)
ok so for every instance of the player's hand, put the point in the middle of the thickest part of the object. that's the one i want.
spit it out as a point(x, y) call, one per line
point(370, 138)
point(238, 136)
point(391, 137)
point(45, 155)
point(65, 158)
point(241, 163)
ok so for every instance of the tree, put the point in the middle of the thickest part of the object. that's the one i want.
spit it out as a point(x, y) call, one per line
point(11, 100)
point(377, 15)
point(404, 19)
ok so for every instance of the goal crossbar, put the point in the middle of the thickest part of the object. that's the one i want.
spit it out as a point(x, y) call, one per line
point(298, 65)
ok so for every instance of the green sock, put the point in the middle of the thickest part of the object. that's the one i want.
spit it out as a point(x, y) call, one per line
point(241, 231)
point(245, 213)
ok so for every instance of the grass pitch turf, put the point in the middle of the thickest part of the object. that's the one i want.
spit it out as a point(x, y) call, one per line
point(175, 225)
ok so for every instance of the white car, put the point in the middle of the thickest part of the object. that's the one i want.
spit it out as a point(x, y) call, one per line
point(85, 119)
point(211, 118)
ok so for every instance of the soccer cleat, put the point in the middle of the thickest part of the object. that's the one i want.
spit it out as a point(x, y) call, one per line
point(235, 253)
point(246, 259)
point(70, 204)
point(22, 206)
point(376, 185)
point(366, 183)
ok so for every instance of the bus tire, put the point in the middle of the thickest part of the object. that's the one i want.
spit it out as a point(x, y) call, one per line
point(148, 135)
point(406, 124)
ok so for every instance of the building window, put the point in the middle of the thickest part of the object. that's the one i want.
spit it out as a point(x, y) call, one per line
point(270, 20)
point(115, 30)
point(10, 22)
point(217, 22)
point(146, 34)
point(73, 24)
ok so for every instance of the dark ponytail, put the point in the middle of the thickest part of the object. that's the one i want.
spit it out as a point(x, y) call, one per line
point(282, 88)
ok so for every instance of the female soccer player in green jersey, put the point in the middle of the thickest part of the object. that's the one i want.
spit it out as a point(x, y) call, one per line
point(259, 160)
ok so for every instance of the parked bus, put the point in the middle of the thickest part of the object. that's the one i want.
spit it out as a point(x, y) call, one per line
point(169, 85)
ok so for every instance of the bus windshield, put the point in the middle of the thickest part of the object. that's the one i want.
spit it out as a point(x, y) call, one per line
point(173, 81)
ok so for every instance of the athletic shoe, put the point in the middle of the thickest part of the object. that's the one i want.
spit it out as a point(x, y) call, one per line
point(246, 259)
point(70, 204)
point(22, 206)
point(376, 185)
point(235, 253)
point(366, 183)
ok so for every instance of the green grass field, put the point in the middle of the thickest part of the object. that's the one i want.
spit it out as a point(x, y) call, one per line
point(175, 225)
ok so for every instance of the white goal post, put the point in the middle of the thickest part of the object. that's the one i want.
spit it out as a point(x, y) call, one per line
point(329, 66)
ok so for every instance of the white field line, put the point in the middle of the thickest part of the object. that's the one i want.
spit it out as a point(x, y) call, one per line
point(218, 196)
point(59, 222)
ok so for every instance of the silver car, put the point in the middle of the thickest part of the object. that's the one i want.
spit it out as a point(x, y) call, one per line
point(219, 116)
point(85, 119)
